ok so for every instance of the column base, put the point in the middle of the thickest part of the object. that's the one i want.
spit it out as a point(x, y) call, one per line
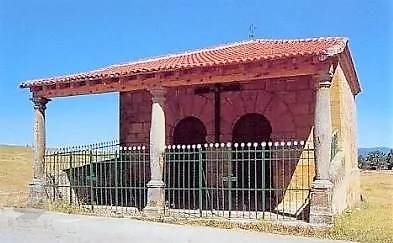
point(155, 197)
point(37, 194)
point(321, 202)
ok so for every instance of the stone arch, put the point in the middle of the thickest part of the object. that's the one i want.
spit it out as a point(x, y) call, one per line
point(270, 104)
point(182, 103)
point(189, 130)
point(251, 127)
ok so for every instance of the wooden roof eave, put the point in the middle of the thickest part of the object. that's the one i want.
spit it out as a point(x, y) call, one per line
point(349, 70)
point(290, 67)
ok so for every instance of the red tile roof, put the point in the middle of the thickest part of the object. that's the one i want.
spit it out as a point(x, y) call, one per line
point(240, 52)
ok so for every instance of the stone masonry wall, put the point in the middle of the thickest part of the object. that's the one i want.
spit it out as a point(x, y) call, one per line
point(135, 115)
point(346, 191)
point(287, 103)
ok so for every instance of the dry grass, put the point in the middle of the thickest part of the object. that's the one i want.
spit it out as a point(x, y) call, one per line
point(371, 222)
point(15, 174)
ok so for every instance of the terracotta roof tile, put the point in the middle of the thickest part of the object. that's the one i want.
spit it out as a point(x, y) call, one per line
point(240, 52)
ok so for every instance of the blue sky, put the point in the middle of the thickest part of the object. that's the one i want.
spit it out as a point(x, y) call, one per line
point(43, 38)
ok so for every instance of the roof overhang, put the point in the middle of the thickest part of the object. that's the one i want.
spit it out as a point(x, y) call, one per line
point(251, 60)
point(349, 70)
point(194, 76)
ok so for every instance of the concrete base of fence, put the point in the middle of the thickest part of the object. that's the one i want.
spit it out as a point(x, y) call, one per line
point(155, 197)
point(37, 194)
point(321, 202)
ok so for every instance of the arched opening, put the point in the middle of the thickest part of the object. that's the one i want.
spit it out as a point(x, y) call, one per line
point(252, 167)
point(189, 130)
point(252, 127)
point(185, 165)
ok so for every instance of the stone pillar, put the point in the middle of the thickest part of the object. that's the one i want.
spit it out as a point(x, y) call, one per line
point(321, 188)
point(156, 186)
point(36, 187)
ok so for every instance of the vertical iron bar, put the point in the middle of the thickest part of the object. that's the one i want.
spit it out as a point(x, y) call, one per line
point(55, 174)
point(237, 179)
point(243, 186)
point(168, 172)
point(249, 179)
point(72, 176)
point(200, 189)
point(91, 180)
point(189, 188)
point(221, 161)
point(255, 182)
point(217, 189)
point(184, 178)
point(116, 181)
point(178, 177)
point(263, 162)
point(230, 173)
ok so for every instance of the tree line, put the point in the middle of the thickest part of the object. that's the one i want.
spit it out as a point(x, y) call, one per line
point(376, 160)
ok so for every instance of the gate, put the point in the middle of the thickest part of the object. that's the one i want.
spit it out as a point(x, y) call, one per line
point(258, 180)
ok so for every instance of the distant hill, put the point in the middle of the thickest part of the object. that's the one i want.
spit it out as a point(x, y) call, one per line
point(365, 151)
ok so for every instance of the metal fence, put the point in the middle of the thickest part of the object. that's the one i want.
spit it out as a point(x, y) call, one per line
point(99, 176)
point(247, 180)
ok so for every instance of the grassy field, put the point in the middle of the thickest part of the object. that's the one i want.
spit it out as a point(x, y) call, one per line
point(372, 221)
point(15, 174)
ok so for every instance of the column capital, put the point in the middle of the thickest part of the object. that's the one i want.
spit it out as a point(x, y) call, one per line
point(324, 79)
point(39, 102)
point(158, 94)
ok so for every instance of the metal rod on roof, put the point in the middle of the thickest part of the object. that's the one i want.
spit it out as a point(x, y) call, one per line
point(251, 33)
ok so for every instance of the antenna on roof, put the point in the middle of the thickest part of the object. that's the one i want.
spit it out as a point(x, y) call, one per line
point(252, 29)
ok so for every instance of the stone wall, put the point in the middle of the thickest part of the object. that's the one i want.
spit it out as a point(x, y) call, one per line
point(135, 115)
point(288, 104)
point(344, 171)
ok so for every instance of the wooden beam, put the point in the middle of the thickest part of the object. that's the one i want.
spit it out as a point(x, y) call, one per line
point(196, 76)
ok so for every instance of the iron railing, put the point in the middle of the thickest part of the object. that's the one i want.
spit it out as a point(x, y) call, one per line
point(100, 175)
point(247, 180)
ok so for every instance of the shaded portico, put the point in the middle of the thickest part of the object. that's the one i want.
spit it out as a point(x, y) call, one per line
point(257, 61)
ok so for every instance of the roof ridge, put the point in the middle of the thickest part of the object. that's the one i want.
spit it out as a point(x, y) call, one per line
point(221, 46)
point(322, 38)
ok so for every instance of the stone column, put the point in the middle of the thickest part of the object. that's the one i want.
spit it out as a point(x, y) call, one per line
point(321, 188)
point(156, 186)
point(36, 187)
